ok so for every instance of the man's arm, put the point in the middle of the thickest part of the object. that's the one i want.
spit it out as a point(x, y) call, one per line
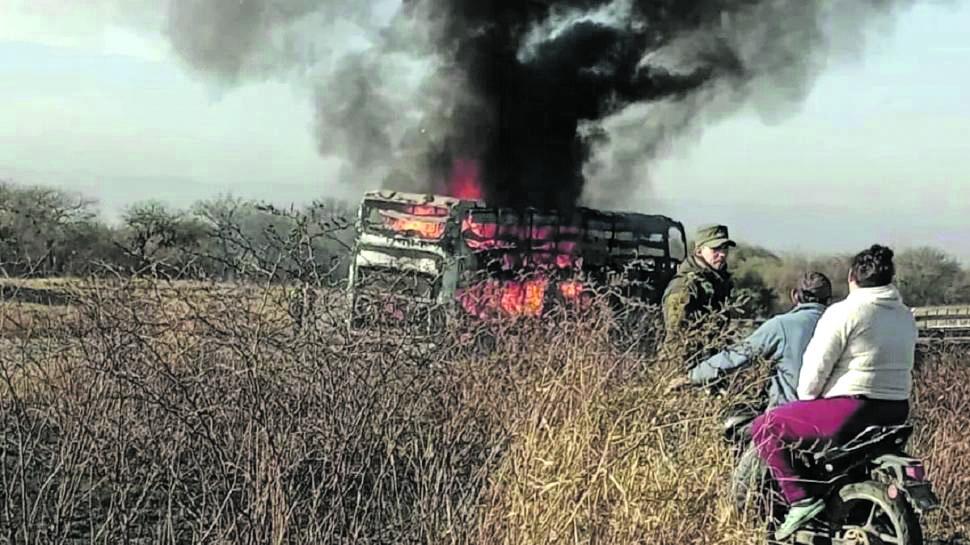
point(676, 302)
point(766, 342)
point(823, 351)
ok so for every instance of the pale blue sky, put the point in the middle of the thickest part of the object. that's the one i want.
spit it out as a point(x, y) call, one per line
point(879, 151)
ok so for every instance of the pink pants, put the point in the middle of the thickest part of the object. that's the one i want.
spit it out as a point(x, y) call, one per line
point(838, 419)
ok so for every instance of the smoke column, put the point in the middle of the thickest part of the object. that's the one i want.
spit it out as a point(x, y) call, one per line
point(558, 102)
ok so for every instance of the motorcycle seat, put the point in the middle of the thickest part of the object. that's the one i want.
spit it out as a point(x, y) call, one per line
point(870, 443)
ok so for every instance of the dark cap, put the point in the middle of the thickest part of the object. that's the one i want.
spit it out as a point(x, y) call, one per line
point(816, 284)
point(713, 236)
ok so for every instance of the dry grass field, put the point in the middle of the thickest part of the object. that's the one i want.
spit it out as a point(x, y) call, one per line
point(146, 412)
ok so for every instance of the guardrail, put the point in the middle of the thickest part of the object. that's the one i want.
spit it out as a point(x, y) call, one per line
point(949, 324)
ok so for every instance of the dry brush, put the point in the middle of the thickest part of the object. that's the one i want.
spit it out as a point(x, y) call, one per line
point(155, 412)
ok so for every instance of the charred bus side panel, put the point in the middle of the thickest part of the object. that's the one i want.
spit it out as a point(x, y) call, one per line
point(418, 253)
point(642, 249)
point(404, 256)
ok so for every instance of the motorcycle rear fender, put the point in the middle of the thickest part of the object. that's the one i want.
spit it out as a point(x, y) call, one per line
point(899, 467)
point(908, 476)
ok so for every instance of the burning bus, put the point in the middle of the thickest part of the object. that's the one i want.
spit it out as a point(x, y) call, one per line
point(422, 257)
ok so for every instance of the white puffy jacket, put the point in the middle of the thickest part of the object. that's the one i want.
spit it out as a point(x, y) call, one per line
point(864, 345)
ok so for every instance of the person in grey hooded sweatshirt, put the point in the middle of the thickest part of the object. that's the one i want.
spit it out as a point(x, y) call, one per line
point(782, 340)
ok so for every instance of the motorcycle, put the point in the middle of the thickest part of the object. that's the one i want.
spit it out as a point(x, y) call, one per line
point(875, 493)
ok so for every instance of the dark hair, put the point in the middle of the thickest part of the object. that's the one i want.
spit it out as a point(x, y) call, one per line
point(814, 287)
point(873, 267)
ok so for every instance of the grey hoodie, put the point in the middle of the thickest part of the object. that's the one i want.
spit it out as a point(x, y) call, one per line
point(781, 339)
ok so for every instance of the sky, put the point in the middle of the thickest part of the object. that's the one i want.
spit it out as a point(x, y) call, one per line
point(879, 152)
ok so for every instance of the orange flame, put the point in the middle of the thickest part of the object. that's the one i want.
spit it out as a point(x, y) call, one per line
point(464, 182)
point(524, 298)
point(571, 289)
point(423, 228)
point(427, 210)
point(493, 298)
point(546, 250)
point(496, 298)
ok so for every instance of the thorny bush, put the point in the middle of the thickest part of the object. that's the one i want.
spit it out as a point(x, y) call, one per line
point(150, 411)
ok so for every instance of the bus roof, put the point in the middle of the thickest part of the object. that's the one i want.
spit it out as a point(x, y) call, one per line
point(424, 199)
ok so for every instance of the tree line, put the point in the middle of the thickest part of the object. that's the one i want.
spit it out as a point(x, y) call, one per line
point(49, 232)
point(925, 276)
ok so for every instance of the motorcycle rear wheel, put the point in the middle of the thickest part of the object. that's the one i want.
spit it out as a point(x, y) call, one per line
point(864, 514)
point(751, 484)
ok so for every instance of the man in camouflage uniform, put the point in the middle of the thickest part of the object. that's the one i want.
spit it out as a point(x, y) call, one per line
point(700, 288)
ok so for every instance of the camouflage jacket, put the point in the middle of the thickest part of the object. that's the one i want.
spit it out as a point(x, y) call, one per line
point(696, 289)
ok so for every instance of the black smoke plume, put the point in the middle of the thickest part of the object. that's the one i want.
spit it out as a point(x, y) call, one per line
point(537, 85)
point(560, 102)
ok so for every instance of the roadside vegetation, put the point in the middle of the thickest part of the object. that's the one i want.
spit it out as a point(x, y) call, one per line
point(138, 406)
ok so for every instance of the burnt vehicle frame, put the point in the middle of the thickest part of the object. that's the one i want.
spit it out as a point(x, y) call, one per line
point(417, 258)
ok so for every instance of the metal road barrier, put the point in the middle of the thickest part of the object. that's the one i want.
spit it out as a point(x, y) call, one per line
point(946, 324)
point(950, 324)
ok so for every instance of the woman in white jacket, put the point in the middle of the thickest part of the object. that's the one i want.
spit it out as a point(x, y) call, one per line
point(856, 372)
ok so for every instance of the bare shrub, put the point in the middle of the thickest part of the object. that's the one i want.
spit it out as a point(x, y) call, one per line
point(604, 454)
point(942, 436)
point(185, 412)
point(203, 415)
point(149, 411)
